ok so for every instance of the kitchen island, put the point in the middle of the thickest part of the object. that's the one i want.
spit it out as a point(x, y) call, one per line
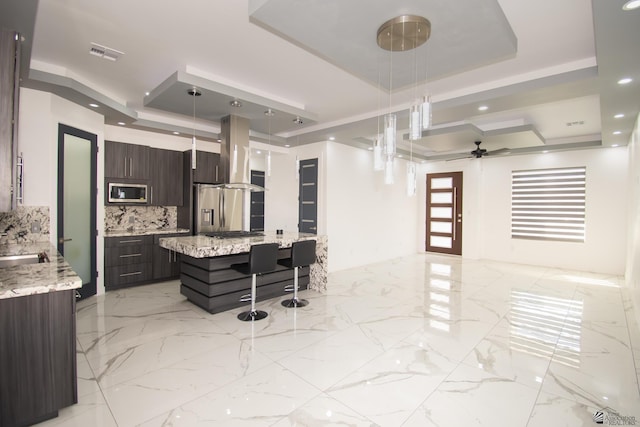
point(209, 282)
point(37, 335)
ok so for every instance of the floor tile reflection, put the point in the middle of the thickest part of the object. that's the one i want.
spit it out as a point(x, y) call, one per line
point(423, 340)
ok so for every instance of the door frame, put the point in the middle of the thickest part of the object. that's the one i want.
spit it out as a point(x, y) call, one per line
point(456, 219)
point(90, 288)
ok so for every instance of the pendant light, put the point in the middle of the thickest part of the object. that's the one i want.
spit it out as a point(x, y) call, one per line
point(269, 113)
point(378, 159)
point(194, 92)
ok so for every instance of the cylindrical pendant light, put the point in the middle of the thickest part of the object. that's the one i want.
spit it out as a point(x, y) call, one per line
point(378, 160)
point(390, 134)
point(388, 170)
point(411, 179)
point(415, 122)
point(194, 93)
point(426, 112)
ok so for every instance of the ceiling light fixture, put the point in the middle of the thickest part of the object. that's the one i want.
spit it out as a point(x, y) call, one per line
point(298, 120)
point(121, 123)
point(617, 132)
point(403, 33)
point(483, 108)
point(235, 103)
point(93, 105)
point(614, 145)
point(269, 113)
point(175, 132)
point(193, 92)
point(625, 80)
point(332, 138)
point(631, 5)
point(618, 116)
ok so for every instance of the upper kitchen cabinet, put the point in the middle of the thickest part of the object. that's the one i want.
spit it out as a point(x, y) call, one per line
point(207, 168)
point(126, 161)
point(166, 177)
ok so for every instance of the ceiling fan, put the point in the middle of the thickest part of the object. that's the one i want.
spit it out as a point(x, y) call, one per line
point(479, 153)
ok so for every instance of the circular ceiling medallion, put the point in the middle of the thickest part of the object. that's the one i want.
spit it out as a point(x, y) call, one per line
point(404, 32)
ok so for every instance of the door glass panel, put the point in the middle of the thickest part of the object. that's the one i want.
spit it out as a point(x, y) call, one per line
point(440, 183)
point(441, 227)
point(441, 212)
point(440, 242)
point(77, 205)
point(442, 198)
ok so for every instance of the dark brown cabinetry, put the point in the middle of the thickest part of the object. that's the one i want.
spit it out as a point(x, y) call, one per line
point(166, 177)
point(166, 263)
point(126, 161)
point(37, 357)
point(207, 168)
point(127, 260)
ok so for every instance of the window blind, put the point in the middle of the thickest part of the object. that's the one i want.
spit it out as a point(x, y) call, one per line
point(548, 204)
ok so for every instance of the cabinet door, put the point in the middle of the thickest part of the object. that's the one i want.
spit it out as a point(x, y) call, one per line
point(115, 154)
point(166, 177)
point(138, 161)
point(166, 264)
point(207, 168)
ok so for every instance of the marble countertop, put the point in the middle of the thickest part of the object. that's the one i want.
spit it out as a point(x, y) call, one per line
point(30, 279)
point(144, 232)
point(204, 247)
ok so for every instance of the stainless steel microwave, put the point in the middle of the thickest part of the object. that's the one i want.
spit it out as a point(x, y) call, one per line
point(127, 193)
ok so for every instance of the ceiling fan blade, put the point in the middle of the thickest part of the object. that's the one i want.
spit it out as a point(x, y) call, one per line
point(497, 152)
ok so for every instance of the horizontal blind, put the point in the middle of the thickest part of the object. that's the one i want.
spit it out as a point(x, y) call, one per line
point(548, 204)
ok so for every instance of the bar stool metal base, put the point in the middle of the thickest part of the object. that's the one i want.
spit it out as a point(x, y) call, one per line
point(249, 316)
point(294, 302)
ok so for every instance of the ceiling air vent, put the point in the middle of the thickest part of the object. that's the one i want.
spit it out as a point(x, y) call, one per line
point(576, 123)
point(104, 52)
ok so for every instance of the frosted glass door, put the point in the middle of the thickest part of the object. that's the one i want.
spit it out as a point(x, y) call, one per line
point(76, 204)
point(444, 213)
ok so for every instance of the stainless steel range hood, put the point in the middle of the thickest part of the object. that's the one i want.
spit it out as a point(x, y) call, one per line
point(235, 153)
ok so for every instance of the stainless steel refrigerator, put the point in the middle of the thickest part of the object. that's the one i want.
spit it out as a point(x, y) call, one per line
point(218, 209)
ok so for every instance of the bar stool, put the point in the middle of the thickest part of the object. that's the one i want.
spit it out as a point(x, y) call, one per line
point(303, 253)
point(262, 259)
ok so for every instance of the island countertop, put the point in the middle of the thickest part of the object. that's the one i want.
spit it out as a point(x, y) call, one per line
point(31, 279)
point(204, 247)
point(207, 247)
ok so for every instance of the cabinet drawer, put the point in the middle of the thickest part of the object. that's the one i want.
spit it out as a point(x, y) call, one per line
point(110, 242)
point(125, 255)
point(127, 274)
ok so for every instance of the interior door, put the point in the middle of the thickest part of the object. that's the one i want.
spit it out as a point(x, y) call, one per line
point(308, 196)
point(77, 159)
point(444, 213)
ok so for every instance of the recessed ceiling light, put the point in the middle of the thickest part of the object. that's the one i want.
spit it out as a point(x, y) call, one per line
point(545, 151)
point(370, 148)
point(235, 103)
point(617, 132)
point(631, 4)
point(175, 132)
point(483, 108)
point(147, 93)
point(614, 145)
point(400, 156)
point(625, 81)
point(618, 116)
point(298, 120)
point(258, 152)
point(93, 105)
point(332, 138)
point(121, 123)
point(287, 145)
point(219, 140)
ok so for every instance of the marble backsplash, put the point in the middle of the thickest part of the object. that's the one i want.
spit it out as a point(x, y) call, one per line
point(25, 224)
point(140, 217)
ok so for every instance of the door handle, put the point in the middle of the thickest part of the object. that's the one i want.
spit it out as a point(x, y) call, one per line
point(62, 240)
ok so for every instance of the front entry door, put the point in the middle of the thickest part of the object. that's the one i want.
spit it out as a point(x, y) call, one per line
point(77, 159)
point(444, 213)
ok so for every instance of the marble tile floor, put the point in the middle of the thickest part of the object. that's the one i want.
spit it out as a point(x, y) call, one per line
point(424, 340)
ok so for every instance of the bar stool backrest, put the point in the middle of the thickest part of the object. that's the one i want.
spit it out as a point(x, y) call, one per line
point(263, 258)
point(303, 253)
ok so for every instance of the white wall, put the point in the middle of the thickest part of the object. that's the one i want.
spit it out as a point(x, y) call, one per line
point(632, 273)
point(487, 211)
point(367, 221)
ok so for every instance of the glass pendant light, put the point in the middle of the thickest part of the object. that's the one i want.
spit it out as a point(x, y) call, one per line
point(269, 113)
point(390, 134)
point(269, 163)
point(411, 179)
point(378, 160)
point(388, 170)
point(415, 122)
point(194, 93)
point(426, 112)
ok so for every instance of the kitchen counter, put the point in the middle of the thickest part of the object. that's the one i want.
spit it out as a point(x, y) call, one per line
point(31, 279)
point(209, 281)
point(144, 232)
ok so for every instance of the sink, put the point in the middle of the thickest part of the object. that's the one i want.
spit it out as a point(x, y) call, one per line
point(11, 260)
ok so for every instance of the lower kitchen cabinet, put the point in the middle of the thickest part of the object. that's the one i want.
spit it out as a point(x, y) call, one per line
point(37, 357)
point(128, 260)
point(166, 263)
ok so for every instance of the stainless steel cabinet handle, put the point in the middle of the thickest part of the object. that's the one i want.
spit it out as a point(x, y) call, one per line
point(130, 255)
point(125, 166)
point(151, 194)
point(62, 240)
point(216, 173)
point(131, 274)
point(130, 166)
point(130, 241)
